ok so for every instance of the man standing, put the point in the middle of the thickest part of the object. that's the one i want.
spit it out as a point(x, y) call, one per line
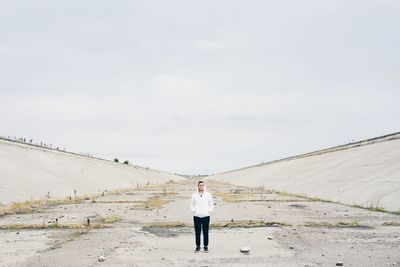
point(201, 205)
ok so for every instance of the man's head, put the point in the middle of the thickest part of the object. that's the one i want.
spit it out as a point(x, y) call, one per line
point(200, 186)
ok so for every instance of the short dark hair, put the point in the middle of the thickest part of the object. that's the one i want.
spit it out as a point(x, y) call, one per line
point(200, 182)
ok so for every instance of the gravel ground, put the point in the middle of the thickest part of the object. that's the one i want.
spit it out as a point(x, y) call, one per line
point(280, 229)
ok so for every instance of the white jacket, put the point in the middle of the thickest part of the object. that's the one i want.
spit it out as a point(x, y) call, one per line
point(201, 204)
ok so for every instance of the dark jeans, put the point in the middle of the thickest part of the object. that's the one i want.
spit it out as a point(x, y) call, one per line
point(198, 224)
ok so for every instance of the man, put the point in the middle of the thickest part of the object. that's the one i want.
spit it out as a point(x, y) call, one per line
point(201, 205)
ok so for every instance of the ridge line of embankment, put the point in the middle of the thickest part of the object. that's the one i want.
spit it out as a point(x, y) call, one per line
point(52, 149)
point(370, 141)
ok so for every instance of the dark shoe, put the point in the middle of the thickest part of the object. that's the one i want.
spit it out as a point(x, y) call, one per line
point(197, 249)
point(206, 249)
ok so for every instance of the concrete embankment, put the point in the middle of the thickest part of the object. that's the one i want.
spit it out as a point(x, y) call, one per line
point(31, 172)
point(365, 173)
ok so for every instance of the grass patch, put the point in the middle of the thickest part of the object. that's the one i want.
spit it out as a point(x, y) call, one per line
point(118, 201)
point(111, 219)
point(391, 223)
point(168, 225)
point(155, 202)
point(247, 196)
point(336, 225)
point(222, 224)
point(32, 206)
point(237, 197)
point(50, 226)
point(376, 209)
point(247, 224)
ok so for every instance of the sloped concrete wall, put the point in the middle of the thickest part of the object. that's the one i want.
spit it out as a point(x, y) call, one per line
point(365, 173)
point(29, 172)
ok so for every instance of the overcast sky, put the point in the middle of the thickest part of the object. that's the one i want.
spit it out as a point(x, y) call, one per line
point(199, 86)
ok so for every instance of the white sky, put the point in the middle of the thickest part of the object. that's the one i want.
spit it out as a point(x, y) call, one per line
point(199, 86)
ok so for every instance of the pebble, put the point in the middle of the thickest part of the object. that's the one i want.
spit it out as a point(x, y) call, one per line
point(102, 258)
point(269, 238)
point(291, 247)
point(245, 249)
point(339, 263)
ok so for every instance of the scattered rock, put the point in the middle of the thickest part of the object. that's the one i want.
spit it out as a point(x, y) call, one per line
point(291, 247)
point(339, 263)
point(102, 258)
point(245, 250)
point(269, 238)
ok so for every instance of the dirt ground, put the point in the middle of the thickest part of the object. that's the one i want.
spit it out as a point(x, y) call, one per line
point(152, 226)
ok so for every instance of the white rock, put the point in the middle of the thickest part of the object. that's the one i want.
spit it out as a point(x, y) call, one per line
point(102, 258)
point(245, 249)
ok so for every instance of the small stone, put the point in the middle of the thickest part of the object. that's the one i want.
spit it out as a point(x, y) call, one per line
point(339, 263)
point(269, 238)
point(291, 247)
point(323, 255)
point(245, 249)
point(102, 258)
point(17, 233)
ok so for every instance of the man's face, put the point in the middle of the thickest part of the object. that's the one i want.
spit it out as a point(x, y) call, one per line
point(201, 187)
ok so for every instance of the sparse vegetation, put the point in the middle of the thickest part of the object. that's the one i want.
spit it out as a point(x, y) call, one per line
point(31, 206)
point(391, 223)
point(111, 219)
point(336, 225)
point(50, 226)
point(155, 202)
point(223, 224)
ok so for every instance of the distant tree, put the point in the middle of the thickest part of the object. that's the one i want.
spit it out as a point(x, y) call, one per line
point(116, 160)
